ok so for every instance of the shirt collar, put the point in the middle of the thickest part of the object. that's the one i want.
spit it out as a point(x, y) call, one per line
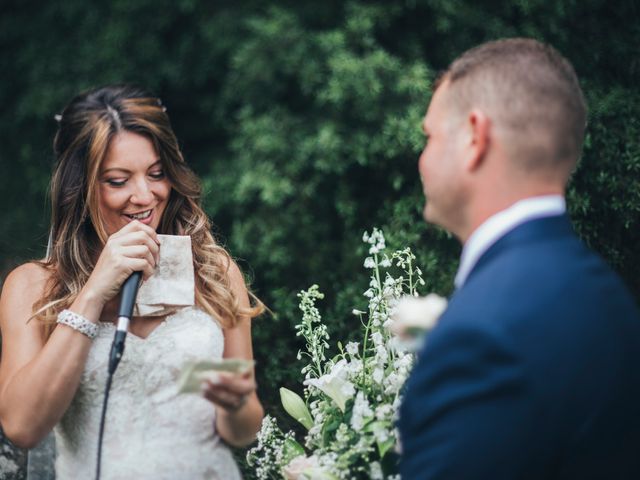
point(499, 224)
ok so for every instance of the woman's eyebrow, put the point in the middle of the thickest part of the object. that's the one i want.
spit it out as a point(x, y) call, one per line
point(126, 170)
point(116, 168)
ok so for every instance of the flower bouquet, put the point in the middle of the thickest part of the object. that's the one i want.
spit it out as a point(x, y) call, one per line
point(351, 400)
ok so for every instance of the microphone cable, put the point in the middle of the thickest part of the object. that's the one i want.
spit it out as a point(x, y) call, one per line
point(128, 299)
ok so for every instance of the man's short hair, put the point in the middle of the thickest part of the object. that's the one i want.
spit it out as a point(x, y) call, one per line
point(532, 96)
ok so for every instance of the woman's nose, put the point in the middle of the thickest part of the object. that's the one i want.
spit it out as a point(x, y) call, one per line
point(142, 194)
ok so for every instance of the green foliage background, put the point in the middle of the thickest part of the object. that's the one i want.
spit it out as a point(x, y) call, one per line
point(302, 119)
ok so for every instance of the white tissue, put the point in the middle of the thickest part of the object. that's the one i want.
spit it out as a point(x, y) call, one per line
point(172, 285)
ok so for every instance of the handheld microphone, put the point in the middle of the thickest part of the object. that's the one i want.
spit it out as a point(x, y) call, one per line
point(127, 300)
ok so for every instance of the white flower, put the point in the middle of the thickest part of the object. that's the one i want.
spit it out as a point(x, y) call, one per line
point(380, 432)
point(403, 362)
point(377, 338)
point(334, 384)
point(339, 369)
point(315, 430)
point(343, 434)
point(355, 311)
point(393, 382)
point(376, 240)
point(347, 389)
point(361, 411)
point(375, 471)
point(383, 411)
point(352, 348)
point(369, 263)
point(417, 315)
point(398, 445)
point(354, 367)
point(385, 263)
point(381, 354)
point(378, 375)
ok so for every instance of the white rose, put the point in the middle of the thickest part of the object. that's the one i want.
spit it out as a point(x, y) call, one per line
point(416, 315)
point(305, 468)
point(296, 467)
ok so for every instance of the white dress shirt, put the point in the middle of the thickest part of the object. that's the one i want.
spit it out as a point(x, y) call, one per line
point(498, 225)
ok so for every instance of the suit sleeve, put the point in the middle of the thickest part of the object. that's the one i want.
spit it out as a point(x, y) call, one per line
point(466, 413)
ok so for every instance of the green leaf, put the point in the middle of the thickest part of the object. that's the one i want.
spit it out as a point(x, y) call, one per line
point(291, 450)
point(295, 406)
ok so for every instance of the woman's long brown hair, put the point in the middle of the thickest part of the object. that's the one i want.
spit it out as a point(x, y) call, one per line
point(86, 128)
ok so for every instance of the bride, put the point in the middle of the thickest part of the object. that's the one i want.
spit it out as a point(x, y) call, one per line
point(119, 181)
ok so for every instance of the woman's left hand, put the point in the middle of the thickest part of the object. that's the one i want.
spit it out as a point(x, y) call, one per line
point(229, 391)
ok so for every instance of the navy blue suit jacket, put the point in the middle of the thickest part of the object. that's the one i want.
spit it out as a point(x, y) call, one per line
point(533, 371)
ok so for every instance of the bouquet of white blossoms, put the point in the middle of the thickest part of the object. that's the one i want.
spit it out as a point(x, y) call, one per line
point(351, 400)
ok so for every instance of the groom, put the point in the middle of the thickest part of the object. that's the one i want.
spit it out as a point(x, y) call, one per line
point(533, 371)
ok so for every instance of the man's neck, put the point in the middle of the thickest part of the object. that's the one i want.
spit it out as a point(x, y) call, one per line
point(503, 222)
point(485, 208)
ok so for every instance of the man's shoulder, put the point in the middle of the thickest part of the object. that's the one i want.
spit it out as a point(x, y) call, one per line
point(526, 266)
point(547, 301)
point(542, 282)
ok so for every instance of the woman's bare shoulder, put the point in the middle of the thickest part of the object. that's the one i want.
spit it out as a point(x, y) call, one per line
point(29, 272)
point(236, 277)
point(29, 280)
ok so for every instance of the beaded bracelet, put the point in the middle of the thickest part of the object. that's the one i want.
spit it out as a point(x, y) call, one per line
point(78, 322)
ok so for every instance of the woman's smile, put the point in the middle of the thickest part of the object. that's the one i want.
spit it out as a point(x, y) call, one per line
point(144, 216)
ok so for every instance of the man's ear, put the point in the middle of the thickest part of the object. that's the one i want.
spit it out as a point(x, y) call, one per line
point(480, 129)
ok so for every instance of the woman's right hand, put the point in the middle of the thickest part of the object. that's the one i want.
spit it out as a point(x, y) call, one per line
point(133, 248)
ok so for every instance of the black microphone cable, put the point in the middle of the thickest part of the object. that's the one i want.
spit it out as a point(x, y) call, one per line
point(128, 299)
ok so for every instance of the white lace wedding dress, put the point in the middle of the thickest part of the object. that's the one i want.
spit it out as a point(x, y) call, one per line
point(151, 432)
